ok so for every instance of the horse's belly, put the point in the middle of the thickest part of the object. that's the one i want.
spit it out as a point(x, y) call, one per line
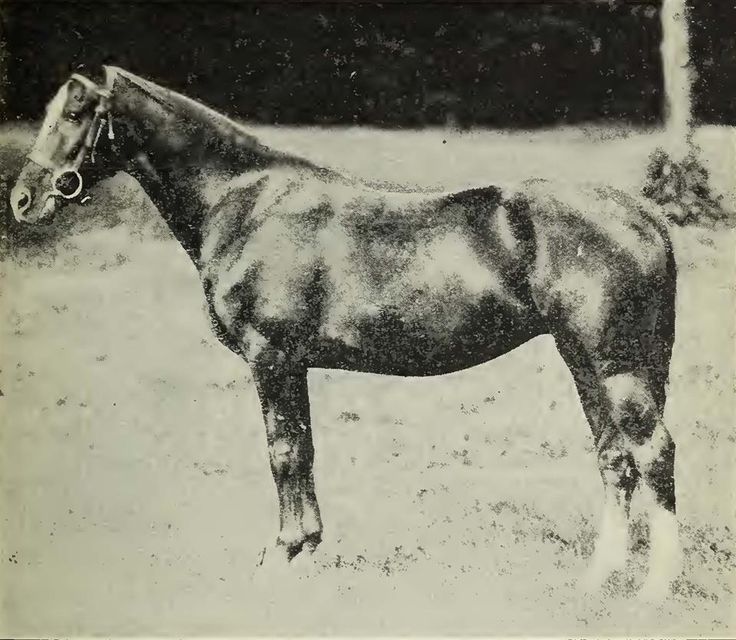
point(428, 338)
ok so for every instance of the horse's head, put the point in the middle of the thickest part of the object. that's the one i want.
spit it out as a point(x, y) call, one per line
point(77, 120)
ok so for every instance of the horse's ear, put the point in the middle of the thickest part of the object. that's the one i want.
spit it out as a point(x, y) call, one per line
point(94, 73)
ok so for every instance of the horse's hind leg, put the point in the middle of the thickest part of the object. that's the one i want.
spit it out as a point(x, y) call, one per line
point(615, 462)
point(656, 458)
point(634, 450)
point(636, 413)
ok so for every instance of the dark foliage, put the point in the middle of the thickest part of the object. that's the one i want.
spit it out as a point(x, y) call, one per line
point(682, 188)
point(499, 65)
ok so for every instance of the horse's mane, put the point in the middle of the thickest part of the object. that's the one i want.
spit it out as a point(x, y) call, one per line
point(227, 130)
point(184, 105)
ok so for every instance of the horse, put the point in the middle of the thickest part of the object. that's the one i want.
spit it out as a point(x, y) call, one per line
point(304, 267)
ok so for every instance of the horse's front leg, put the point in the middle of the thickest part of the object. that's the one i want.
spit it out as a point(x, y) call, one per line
point(282, 390)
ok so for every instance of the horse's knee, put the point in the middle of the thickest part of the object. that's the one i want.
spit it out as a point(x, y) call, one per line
point(632, 408)
point(285, 459)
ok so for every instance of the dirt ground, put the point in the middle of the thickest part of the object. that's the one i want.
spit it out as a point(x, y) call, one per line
point(134, 482)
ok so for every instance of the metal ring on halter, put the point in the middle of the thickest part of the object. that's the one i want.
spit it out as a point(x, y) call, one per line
point(61, 174)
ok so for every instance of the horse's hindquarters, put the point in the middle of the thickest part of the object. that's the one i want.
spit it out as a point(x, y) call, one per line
point(606, 286)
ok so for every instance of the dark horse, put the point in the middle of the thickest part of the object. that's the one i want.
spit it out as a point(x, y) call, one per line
point(303, 267)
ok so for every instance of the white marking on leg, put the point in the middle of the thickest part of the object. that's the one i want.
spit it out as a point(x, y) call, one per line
point(612, 544)
point(665, 551)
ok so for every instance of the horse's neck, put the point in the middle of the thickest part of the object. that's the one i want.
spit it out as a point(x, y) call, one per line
point(175, 154)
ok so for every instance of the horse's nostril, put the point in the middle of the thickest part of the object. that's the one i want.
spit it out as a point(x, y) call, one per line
point(20, 200)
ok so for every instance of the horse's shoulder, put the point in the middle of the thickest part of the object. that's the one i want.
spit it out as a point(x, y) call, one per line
point(230, 219)
point(243, 192)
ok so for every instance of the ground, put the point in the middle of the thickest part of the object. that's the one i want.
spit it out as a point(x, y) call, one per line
point(134, 476)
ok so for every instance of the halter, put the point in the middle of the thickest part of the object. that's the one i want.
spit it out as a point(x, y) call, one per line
point(67, 182)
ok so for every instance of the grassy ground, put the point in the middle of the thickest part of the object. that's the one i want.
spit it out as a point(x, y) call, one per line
point(134, 479)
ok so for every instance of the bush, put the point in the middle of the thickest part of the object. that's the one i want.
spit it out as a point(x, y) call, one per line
point(682, 188)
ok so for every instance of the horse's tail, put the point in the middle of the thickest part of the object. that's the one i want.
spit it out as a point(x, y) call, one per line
point(663, 336)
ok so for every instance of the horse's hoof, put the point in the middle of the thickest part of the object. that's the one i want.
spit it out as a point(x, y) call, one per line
point(594, 579)
point(656, 588)
point(600, 571)
point(303, 564)
point(274, 558)
point(281, 559)
point(665, 558)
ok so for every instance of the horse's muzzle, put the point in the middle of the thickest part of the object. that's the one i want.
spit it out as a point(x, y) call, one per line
point(20, 201)
point(38, 192)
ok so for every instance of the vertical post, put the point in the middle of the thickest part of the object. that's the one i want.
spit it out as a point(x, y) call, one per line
point(677, 77)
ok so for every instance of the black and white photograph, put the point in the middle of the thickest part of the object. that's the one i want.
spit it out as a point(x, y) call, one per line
point(368, 319)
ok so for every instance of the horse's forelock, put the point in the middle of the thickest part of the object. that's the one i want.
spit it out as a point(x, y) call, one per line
point(55, 107)
point(88, 84)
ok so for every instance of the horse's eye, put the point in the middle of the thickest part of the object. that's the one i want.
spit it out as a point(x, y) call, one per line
point(72, 117)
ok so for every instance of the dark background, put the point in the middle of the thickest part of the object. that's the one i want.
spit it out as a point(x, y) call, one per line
point(514, 64)
point(713, 54)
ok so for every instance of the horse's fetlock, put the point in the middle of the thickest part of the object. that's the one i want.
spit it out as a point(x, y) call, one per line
point(619, 470)
point(659, 474)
